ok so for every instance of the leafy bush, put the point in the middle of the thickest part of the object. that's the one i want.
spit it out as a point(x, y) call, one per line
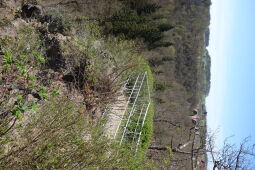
point(58, 136)
point(22, 60)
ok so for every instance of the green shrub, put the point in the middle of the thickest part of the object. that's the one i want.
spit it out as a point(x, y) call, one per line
point(23, 59)
point(58, 22)
point(134, 26)
point(142, 6)
point(148, 126)
point(165, 27)
point(58, 136)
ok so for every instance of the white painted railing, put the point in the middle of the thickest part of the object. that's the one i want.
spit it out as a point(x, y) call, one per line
point(130, 117)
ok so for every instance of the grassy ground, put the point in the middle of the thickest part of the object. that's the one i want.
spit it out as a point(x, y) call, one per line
point(148, 126)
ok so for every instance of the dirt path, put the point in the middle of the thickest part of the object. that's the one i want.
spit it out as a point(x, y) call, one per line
point(115, 115)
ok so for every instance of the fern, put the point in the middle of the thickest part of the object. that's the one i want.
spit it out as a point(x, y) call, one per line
point(8, 60)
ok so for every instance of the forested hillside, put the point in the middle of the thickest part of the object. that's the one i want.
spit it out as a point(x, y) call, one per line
point(64, 63)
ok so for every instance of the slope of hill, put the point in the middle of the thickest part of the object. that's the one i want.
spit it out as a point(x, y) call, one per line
point(64, 62)
point(182, 80)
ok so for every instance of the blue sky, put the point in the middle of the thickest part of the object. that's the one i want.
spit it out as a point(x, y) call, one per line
point(231, 103)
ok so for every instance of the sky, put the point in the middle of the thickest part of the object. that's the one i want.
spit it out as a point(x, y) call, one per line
point(231, 102)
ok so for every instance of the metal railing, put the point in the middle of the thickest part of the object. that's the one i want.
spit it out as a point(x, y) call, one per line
point(134, 112)
point(137, 108)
